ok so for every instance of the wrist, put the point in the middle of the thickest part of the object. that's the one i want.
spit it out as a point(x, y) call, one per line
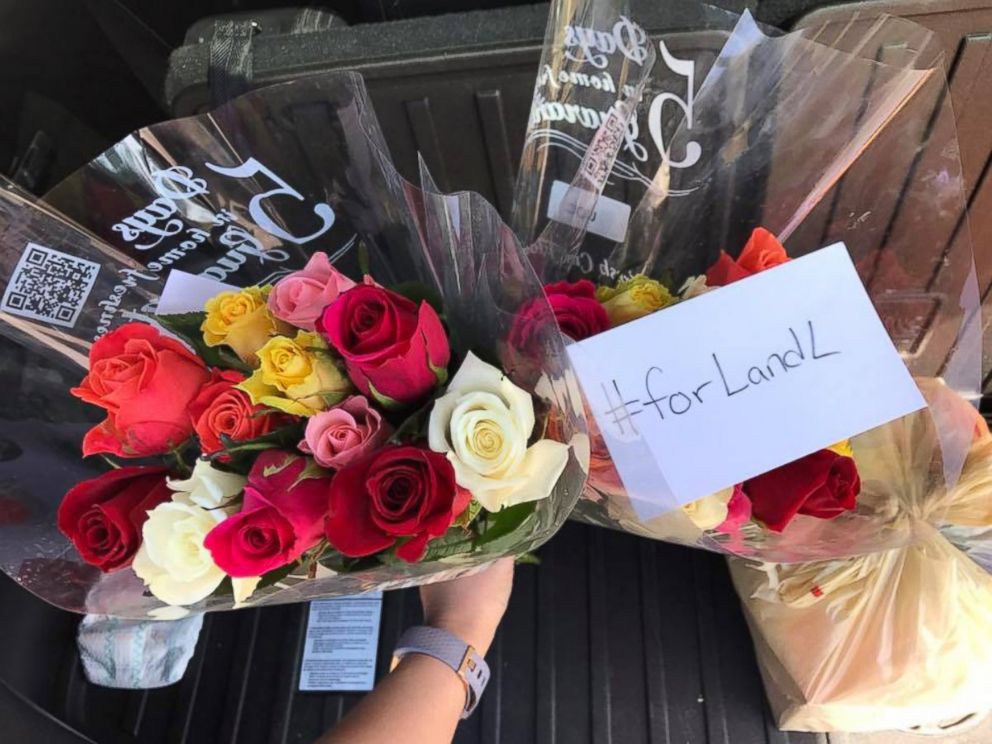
point(473, 630)
point(460, 656)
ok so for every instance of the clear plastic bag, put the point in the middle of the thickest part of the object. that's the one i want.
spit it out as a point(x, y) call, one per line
point(836, 134)
point(892, 639)
point(244, 195)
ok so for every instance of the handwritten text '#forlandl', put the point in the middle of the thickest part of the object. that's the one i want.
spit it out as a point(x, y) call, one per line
point(723, 382)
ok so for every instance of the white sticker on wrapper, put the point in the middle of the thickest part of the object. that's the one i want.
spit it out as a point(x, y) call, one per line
point(340, 650)
point(743, 379)
point(188, 293)
point(609, 218)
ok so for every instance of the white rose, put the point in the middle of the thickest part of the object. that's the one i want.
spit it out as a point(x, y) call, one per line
point(483, 424)
point(694, 286)
point(709, 512)
point(207, 486)
point(172, 560)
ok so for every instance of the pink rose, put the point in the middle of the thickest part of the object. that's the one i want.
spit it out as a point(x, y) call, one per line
point(338, 436)
point(281, 518)
point(300, 297)
point(738, 512)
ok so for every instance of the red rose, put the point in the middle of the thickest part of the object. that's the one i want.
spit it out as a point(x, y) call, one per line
point(103, 516)
point(220, 408)
point(578, 312)
point(281, 518)
point(393, 349)
point(762, 251)
point(397, 492)
point(823, 484)
point(145, 382)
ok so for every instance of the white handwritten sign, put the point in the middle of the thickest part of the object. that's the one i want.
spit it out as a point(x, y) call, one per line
point(729, 385)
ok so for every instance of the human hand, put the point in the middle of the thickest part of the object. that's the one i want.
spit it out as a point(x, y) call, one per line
point(470, 607)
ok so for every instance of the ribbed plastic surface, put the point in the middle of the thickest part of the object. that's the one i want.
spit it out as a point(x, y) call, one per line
point(611, 640)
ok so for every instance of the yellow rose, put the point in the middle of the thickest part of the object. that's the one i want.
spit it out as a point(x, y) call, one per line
point(633, 298)
point(842, 448)
point(296, 375)
point(709, 512)
point(240, 320)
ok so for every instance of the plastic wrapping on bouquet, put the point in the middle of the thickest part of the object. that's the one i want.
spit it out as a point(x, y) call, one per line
point(242, 196)
point(842, 133)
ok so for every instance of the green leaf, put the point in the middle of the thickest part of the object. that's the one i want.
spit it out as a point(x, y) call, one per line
point(500, 530)
point(310, 470)
point(275, 576)
point(412, 426)
point(456, 540)
point(419, 292)
point(364, 263)
point(187, 327)
point(528, 559)
point(471, 512)
point(343, 564)
point(241, 453)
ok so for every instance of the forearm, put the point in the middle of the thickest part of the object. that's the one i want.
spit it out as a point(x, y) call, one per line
point(423, 699)
point(419, 701)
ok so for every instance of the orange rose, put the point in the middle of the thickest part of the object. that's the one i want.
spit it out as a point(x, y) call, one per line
point(145, 382)
point(223, 409)
point(763, 251)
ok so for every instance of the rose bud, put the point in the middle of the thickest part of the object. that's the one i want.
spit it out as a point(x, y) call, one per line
point(300, 297)
point(103, 516)
point(145, 382)
point(281, 518)
point(578, 312)
point(395, 351)
point(824, 484)
point(633, 298)
point(343, 434)
point(483, 424)
point(397, 493)
point(762, 251)
point(241, 320)
point(221, 409)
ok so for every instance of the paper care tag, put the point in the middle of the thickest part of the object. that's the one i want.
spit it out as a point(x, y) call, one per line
point(342, 638)
point(188, 293)
point(738, 381)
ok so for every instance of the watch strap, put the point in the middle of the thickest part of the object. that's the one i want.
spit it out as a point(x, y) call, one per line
point(447, 648)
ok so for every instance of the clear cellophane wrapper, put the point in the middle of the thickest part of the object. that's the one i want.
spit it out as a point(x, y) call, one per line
point(895, 638)
point(842, 133)
point(242, 195)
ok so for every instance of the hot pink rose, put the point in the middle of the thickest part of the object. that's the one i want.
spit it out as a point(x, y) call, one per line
point(395, 350)
point(338, 436)
point(299, 298)
point(281, 518)
point(738, 511)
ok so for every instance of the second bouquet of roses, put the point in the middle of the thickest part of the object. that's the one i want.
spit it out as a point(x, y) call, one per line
point(745, 180)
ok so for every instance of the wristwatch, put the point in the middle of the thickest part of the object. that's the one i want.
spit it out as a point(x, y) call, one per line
point(463, 659)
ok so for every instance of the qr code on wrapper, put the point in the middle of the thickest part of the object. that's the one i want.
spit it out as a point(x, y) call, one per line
point(49, 285)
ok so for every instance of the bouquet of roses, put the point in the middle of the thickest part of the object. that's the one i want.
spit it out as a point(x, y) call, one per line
point(286, 412)
point(750, 172)
point(310, 424)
